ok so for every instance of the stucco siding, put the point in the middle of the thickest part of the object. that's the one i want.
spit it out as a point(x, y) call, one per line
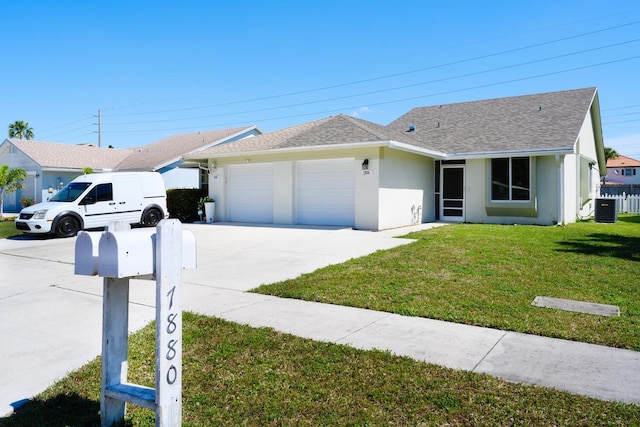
point(571, 190)
point(406, 192)
point(14, 158)
point(542, 210)
point(367, 215)
point(475, 174)
point(586, 144)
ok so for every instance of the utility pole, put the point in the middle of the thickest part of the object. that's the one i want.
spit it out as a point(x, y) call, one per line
point(99, 128)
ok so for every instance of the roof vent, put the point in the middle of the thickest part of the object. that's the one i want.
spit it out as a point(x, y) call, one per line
point(540, 108)
point(411, 128)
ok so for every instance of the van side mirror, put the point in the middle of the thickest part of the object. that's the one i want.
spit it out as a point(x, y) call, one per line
point(88, 200)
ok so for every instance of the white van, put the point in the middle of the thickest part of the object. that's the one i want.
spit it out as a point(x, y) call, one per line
point(94, 200)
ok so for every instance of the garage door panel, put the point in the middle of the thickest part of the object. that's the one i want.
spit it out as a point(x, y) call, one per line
point(325, 192)
point(250, 189)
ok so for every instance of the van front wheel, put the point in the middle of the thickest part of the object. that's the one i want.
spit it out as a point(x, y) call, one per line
point(152, 217)
point(67, 227)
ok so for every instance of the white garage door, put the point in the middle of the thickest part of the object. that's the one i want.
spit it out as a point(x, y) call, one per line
point(250, 190)
point(325, 192)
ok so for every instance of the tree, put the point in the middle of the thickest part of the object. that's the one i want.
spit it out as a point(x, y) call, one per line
point(609, 153)
point(10, 181)
point(20, 129)
point(87, 171)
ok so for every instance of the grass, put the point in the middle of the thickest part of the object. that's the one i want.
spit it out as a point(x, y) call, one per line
point(488, 275)
point(8, 228)
point(238, 375)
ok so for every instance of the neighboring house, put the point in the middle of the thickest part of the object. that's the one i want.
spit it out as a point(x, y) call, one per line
point(532, 159)
point(49, 165)
point(165, 156)
point(623, 170)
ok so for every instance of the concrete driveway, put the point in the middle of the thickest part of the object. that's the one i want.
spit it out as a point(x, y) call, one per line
point(51, 319)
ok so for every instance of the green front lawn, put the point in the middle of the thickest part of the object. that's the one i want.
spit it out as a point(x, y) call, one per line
point(237, 375)
point(488, 275)
point(8, 228)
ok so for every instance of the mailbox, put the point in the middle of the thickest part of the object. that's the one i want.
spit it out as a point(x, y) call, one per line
point(120, 252)
point(87, 253)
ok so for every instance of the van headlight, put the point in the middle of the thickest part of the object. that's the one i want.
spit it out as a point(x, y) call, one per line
point(39, 214)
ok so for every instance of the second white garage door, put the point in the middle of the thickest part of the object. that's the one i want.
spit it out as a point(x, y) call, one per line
point(325, 192)
point(250, 189)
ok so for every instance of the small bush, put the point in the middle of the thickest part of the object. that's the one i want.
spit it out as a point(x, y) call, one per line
point(183, 203)
point(27, 201)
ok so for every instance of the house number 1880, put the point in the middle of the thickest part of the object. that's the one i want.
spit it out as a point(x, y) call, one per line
point(172, 371)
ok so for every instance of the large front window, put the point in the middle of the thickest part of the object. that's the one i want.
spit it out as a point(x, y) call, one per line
point(511, 179)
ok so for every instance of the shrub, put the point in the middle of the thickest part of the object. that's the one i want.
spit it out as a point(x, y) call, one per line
point(27, 201)
point(183, 203)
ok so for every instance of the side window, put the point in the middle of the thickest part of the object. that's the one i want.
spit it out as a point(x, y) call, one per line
point(499, 179)
point(511, 179)
point(104, 192)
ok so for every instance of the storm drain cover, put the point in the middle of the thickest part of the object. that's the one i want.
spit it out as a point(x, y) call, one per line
point(578, 306)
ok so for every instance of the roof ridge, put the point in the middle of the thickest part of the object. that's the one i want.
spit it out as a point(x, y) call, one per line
point(303, 127)
point(361, 124)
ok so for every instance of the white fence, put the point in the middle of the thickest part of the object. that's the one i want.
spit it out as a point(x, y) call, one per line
point(626, 203)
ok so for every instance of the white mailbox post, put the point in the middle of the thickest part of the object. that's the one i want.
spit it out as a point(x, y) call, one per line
point(119, 254)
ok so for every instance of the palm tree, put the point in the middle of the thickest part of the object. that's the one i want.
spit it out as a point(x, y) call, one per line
point(20, 129)
point(609, 153)
point(10, 181)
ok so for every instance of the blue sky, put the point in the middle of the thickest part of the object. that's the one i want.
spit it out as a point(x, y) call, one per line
point(156, 69)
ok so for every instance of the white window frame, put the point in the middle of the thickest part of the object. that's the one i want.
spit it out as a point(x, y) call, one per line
point(510, 191)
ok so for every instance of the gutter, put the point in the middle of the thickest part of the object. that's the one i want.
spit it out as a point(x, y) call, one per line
point(512, 153)
point(438, 155)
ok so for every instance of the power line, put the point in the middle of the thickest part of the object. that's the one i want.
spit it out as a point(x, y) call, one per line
point(67, 124)
point(622, 108)
point(406, 99)
point(69, 131)
point(259, 110)
point(462, 61)
point(623, 121)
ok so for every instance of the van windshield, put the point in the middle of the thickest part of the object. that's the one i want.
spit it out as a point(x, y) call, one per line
point(70, 192)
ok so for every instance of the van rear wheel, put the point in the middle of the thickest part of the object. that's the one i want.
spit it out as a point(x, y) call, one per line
point(152, 217)
point(67, 226)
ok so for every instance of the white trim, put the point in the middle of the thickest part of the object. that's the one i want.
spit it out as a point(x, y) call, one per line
point(438, 155)
point(510, 153)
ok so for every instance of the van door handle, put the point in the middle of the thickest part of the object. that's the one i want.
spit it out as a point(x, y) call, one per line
point(122, 203)
point(112, 203)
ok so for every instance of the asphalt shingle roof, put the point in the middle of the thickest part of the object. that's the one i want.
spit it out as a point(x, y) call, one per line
point(56, 155)
point(333, 130)
point(529, 122)
point(172, 148)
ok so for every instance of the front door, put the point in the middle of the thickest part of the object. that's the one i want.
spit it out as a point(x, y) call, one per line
point(452, 191)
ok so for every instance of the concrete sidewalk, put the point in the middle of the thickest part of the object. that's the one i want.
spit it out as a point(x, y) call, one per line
point(591, 370)
point(51, 319)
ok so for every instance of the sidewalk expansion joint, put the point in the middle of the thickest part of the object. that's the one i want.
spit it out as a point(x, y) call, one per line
point(341, 339)
point(489, 351)
point(36, 258)
point(245, 306)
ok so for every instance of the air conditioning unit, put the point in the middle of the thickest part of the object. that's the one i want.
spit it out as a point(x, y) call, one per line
point(606, 210)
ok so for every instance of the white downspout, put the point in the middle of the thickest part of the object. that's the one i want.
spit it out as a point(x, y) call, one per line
point(560, 160)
